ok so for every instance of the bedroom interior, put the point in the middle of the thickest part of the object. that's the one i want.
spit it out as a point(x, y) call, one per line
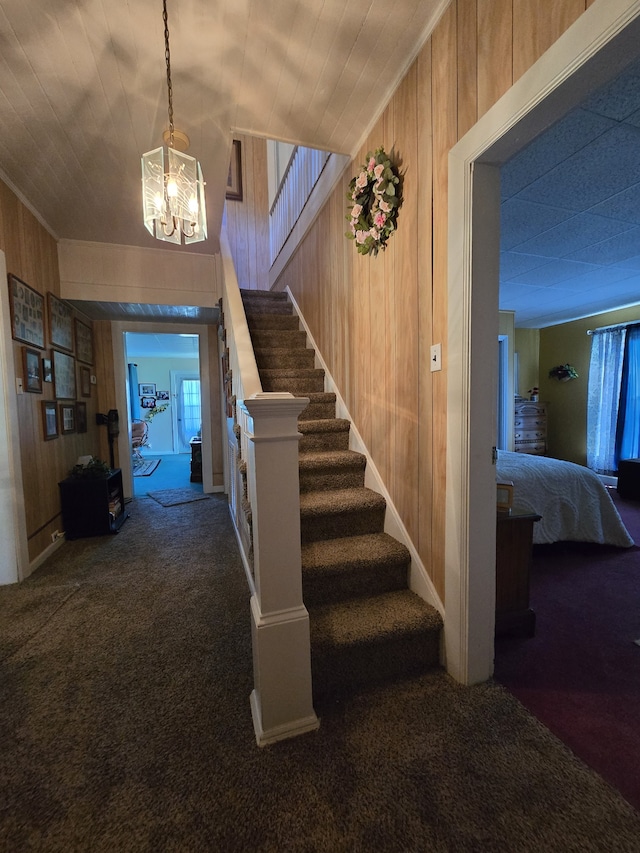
point(570, 260)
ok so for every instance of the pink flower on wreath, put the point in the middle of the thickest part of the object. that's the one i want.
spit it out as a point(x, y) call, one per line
point(379, 170)
point(379, 219)
point(371, 165)
point(385, 207)
point(373, 232)
point(356, 211)
point(362, 181)
point(361, 236)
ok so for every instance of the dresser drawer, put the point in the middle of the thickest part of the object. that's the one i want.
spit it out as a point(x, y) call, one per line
point(530, 434)
point(528, 408)
point(537, 448)
point(530, 422)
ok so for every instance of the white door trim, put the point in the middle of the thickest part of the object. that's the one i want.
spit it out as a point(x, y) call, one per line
point(594, 49)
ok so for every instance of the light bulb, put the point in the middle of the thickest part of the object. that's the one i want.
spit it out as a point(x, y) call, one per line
point(172, 188)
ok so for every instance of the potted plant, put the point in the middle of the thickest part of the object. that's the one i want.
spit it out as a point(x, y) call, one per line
point(93, 469)
point(563, 372)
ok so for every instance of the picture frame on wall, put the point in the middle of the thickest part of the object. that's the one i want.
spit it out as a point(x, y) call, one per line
point(84, 342)
point(67, 418)
point(85, 381)
point(147, 389)
point(148, 402)
point(32, 371)
point(49, 419)
point(27, 313)
point(81, 417)
point(60, 323)
point(64, 376)
point(47, 370)
point(234, 179)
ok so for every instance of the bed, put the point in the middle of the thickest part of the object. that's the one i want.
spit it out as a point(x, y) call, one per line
point(574, 504)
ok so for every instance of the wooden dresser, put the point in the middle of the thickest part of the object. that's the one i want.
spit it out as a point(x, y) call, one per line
point(530, 428)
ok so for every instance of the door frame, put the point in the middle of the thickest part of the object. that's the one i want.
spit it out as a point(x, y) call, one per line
point(600, 44)
point(175, 377)
point(122, 397)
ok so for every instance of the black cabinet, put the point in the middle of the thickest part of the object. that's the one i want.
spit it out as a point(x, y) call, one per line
point(514, 544)
point(92, 506)
point(196, 460)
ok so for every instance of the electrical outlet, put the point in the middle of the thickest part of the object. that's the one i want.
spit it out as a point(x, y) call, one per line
point(55, 535)
point(436, 357)
point(19, 389)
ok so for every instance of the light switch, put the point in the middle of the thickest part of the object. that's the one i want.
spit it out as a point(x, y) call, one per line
point(436, 357)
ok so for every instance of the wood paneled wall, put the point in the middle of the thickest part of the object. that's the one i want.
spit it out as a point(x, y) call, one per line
point(31, 254)
point(375, 319)
point(248, 220)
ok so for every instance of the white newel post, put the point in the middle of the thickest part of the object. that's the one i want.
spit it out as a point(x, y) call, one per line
point(281, 701)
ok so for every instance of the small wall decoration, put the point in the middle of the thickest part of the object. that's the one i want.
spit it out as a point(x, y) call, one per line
point(375, 196)
point(162, 395)
point(81, 417)
point(47, 370)
point(84, 342)
point(148, 402)
point(147, 389)
point(32, 370)
point(67, 418)
point(234, 180)
point(563, 372)
point(49, 419)
point(27, 313)
point(60, 323)
point(85, 381)
point(64, 376)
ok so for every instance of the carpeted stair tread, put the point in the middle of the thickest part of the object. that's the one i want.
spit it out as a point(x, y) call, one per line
point(290, 338)
point(265, 295)
point(331, 469)
point(320, 503)
point(279, 358)
point(335, 570)
point(259, 302)
point(278, 322)
point(324, 425)
point(322, 405)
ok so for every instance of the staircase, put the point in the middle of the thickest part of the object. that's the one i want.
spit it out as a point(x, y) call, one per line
point(366, 626)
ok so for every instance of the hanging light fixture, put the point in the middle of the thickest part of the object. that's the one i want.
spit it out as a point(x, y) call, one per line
point(172, 185)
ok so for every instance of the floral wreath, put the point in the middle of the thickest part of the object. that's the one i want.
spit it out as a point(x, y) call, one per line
point(376, 196)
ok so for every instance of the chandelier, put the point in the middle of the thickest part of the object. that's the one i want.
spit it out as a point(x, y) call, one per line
point(172, 185)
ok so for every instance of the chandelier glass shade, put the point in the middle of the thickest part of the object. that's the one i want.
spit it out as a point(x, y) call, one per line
point(172, 185)
point(173, 196)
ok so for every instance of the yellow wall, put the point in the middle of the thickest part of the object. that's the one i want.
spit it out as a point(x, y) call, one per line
point(375, 319)
point(528, 349)
point(569, 343)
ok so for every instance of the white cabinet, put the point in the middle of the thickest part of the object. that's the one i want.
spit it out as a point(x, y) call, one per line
point(530, 428)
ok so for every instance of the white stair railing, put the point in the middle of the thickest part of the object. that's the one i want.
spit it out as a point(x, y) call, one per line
point(267, 430)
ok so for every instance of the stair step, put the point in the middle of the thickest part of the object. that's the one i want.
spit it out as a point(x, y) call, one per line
point(289, 338)
point(279, 358)
point(295, 380)
point(372, 641)
point(324, 434)
point(266, 295)
point(277, 322)
point(339, 513)
point(263, 302)
point(322, 405)
point(334, 469)
point(352, 567)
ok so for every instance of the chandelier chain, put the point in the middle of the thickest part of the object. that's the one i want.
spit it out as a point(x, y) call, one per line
point(167, 56)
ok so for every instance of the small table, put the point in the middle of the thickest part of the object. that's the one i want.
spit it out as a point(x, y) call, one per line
point(514, 542)
point(196, 460)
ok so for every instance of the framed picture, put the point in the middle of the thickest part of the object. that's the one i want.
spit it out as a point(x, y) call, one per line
point(234, 180)
point(47, 370)
point(85, 381)
point(162, 395)
point(60, 323)
point(27, 313)
point(49, 419)
point(147, 389)
point(67, 418)
point(84, 342)
point(64, 376)
point(32, 371)
point(148, 403)
point(81, 417)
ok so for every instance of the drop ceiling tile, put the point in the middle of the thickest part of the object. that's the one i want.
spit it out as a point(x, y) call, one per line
point(614, 250)
point(620, 98)
point(599, 170)
point(521, 220)
point(630, 264)
point(514, 263)
point(552, 273)
point(513, 295)
point(623, 206)
point(571, 235)
point(599, 278)
point(558, 143)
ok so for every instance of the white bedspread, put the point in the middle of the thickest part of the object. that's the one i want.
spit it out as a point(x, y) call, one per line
point(573, 503)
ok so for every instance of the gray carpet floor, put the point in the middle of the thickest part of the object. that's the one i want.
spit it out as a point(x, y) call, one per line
point(125, 674)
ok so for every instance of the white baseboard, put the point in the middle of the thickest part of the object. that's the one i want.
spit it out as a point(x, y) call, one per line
point(44, 555)
point(419, 580)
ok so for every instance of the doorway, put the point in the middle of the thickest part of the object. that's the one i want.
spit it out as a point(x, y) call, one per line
point(594, 50)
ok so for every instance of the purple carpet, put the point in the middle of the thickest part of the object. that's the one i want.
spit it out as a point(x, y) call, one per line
point(580, 674)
